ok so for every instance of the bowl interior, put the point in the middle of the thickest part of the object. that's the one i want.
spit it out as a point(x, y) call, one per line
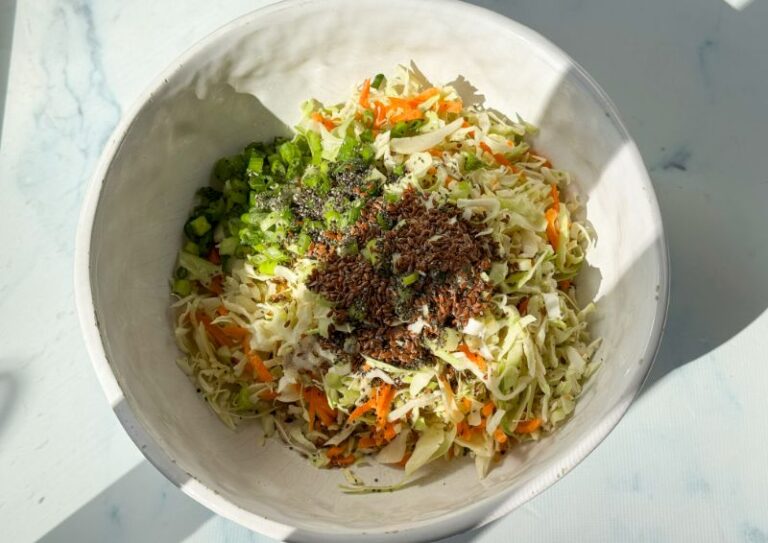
point(246, 83)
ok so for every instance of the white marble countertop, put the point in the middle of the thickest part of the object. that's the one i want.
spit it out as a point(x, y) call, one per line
point(689, 460)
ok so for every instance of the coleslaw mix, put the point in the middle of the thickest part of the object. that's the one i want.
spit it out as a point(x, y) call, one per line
point(261, 344)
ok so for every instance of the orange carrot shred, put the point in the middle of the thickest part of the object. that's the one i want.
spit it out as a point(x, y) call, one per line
point(366, 442)
point(425, 95)
point(362, 409)
point(268, 394)
point(552, 234)
point(235, 332)
point(473, 357)
point(214, 331)
point(450, 106)
point(365, 93)
point(215, 285)
point(528, 426)
point(222, 311)
point(466, 405)
point(485, 147)
point(487, 409)
point(335, 451)
point(564, 285)
point(259, 369)
point(407, 115)
point(386, 393)
point(555, 198)
point(404, 460)
point(500, 436)
point(327, 123)
point(345, 460)
point(380, 111)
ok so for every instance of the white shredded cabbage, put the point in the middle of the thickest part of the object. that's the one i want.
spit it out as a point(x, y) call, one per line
point(509, 375)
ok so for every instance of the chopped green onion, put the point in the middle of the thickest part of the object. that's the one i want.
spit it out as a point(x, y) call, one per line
point(410, 279)
point(198, 227)
point(471, 162)
point(399, 170)
point(315, 147)
point(368, 117)
point(377, 81)
point(367, 152)
point(255, 163)
point(228, 246)
point(182, 287)
point(192, 248)
point(383, 221)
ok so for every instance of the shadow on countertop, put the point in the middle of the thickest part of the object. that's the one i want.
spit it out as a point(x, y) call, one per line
point(7, 21)
point(142, 500)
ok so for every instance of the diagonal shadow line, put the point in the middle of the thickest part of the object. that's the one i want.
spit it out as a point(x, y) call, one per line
point(7, 20)
point(142, 498)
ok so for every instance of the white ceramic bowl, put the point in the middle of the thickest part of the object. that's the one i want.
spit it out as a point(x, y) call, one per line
point(245, 82)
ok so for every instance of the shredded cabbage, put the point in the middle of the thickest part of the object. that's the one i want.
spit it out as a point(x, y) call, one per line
point(255, 338)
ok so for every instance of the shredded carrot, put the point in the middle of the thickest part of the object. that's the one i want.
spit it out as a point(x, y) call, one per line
point(555, 198)
point(268, 394)
point(318, 407)
point(259, 369)
point(380, 111)
point(432, 170)
point(448, 181)
point(407, 115)
point(404, 460)
point(500, 436)
point(528, 426)
point(466, 405)
point(344, 460)
point(475, 358)
point(384, 396)
point(435, 152)
point(425, 95)
point(400, 103)
point(335, 451)
point(365, 93)
point(218, 336)
point(501, 159)
point(215, 285)
point(366, 442)
point(522, 307)
point(222, 311)
point(362, 409)
point(327, 123)
point(235, 332)
point(214, 257)
point(564, 285)
point(487, 409)
point(450, 106)
point(498, 157)
point(465, 124)
point(552, 234)
point(389, 432)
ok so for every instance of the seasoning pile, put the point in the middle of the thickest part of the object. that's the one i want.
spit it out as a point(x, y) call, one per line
point(406, 269)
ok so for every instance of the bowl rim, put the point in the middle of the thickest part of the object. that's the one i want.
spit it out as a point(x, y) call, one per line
point(456, 521)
